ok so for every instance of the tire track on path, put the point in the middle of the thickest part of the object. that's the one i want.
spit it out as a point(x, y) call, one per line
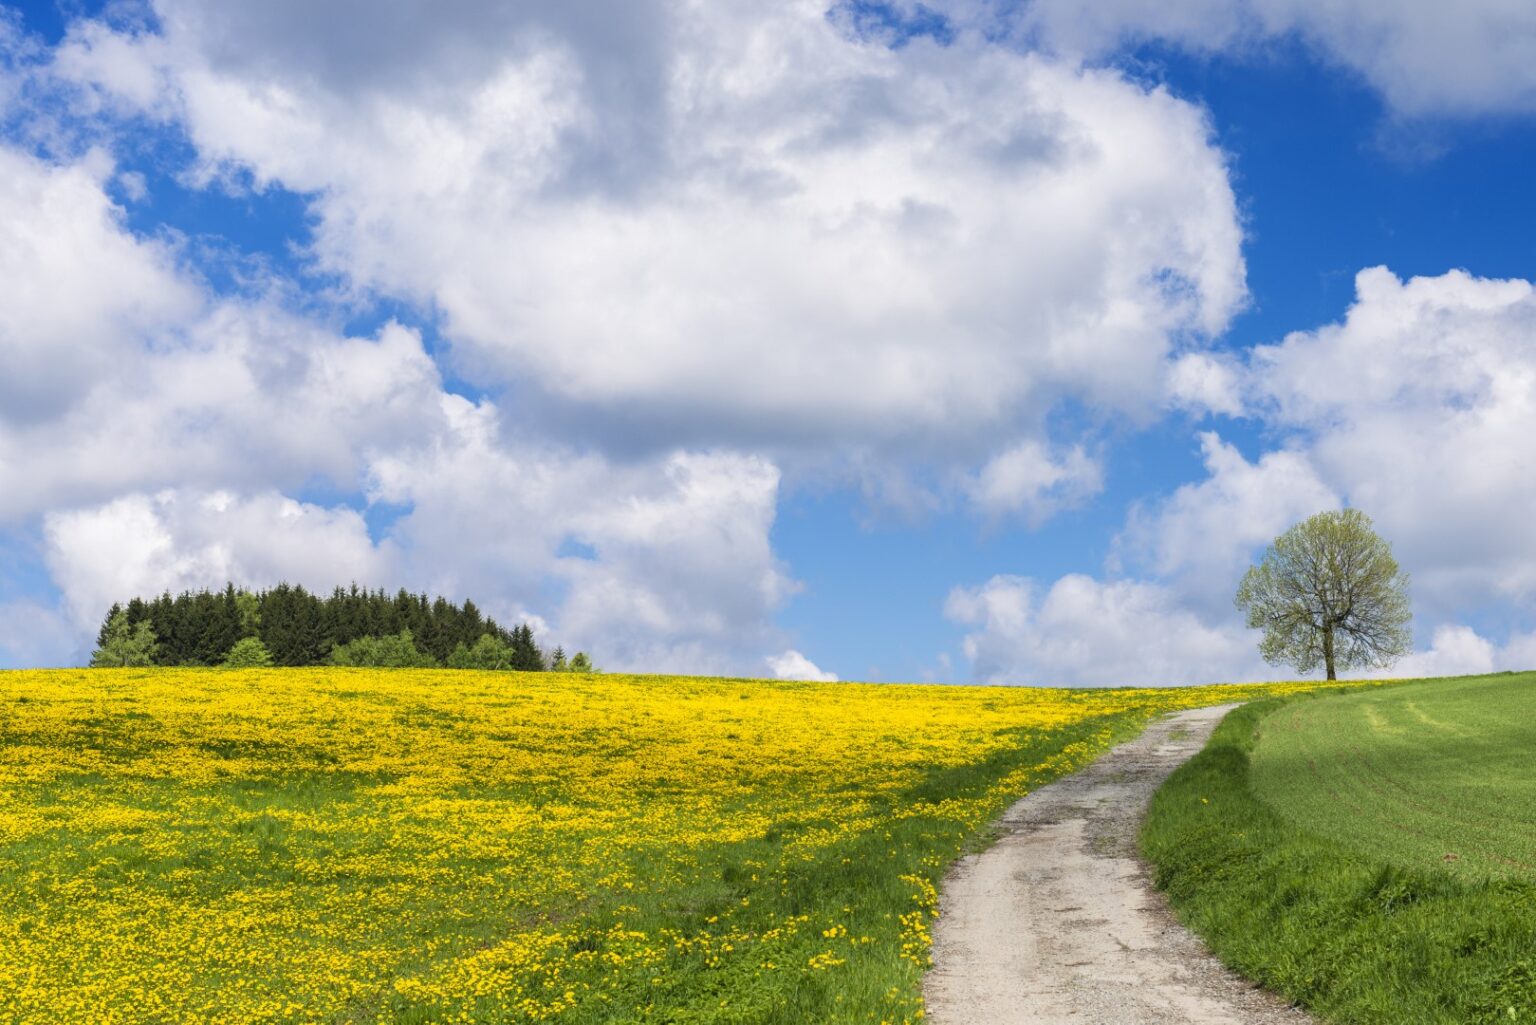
point(1058, 923)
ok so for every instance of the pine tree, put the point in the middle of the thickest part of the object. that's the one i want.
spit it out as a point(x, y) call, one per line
point(526, 655)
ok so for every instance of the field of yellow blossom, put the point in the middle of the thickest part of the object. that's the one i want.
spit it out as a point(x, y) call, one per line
point(354, 845)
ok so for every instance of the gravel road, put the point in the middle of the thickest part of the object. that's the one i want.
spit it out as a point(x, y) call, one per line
point(1058, 921)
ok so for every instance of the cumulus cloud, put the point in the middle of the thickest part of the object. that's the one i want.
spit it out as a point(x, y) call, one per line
point(1206, 532)
point(1030, 480)
point(1083, 632)
point(78, 291)
point(184, 539)
point(663, 564)
point(1419, 408)
point(753, 228)
point(1470, 58)
point(657, 567)
point(1203, 382)
point(246, 396)
point(1453, 651)
point(159, 432)
point(791, 665)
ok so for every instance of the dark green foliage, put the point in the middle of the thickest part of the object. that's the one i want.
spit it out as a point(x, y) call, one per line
point(394, 651)
point(1351, 937)
point(122, 644)
point(298, 628)
point(248, 653)
point(526, 655)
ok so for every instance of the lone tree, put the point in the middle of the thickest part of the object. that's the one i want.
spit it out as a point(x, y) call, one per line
point(1328, 591)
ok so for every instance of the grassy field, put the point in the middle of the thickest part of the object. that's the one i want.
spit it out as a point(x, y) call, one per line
point(1435, 775)
point(334, 845)
point(1367, 854)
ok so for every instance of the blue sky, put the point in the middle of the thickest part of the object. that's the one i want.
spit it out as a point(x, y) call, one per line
point(964, 342)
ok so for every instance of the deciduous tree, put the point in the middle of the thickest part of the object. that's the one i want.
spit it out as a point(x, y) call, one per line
point(1328, 592)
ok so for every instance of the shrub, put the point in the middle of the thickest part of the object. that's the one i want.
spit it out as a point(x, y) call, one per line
point(248, 653)
point(396, 651)
point(124, 645)
point(488, 652)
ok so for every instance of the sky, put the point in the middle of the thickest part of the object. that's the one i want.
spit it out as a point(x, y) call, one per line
point(956, 342)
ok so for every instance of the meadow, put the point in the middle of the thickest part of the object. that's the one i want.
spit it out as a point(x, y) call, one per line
point(1437, 775)
point(351, 845)
point(1370, 854)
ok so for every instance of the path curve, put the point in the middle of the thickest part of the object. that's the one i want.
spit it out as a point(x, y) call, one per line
point(1058, 922)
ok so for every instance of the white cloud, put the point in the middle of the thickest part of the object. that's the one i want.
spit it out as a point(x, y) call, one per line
point(1205, 534)
point(662, 565)
point(77, 292)
point(1030, 480)
point(1426, 57)
point(1419, 409)
point(748, 228)
point(791, 665)
point(180, 425)
point(1083, 632)
point(1203, 382)
point(1454, 651)
point(243, 396)
point(182, 539)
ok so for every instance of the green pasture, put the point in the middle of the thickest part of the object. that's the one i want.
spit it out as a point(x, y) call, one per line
point(1432, 775)
point(1368, 854)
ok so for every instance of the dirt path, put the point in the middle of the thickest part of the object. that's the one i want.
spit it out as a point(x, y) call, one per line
point(1058, 921)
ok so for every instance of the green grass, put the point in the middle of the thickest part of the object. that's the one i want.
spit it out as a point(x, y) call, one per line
point(1306, 844)
point(1436, 775)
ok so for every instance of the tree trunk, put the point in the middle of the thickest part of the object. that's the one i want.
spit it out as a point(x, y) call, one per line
point(1328, 650)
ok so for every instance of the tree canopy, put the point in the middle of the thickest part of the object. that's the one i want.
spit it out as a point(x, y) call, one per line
point(288, 626)
point(1329, 592)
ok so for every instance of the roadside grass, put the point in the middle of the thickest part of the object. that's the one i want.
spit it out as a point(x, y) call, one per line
point(413, 846)
point(1306, 844)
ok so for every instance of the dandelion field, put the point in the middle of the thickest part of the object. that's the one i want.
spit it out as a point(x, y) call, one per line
point(351, 845)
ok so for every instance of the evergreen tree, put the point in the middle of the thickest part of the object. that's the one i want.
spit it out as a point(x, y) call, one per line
point(557, 661)
point(299, 628)
point(526, 655)
point(112, 613)
point(125, 645)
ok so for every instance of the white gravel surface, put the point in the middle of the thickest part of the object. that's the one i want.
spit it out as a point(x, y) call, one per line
point(1058, 921)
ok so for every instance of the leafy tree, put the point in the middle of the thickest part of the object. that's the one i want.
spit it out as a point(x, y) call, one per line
point(248, 609)
point(396, 651)
point(580, 663)
point(489, 652)
point(248, 653)
point(123, 644)
point(1328, 592)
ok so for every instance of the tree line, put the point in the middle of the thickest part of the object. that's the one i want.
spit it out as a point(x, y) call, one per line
point(289, 626)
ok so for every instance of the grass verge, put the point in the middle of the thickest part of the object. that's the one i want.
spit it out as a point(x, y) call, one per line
point(1348, 935)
